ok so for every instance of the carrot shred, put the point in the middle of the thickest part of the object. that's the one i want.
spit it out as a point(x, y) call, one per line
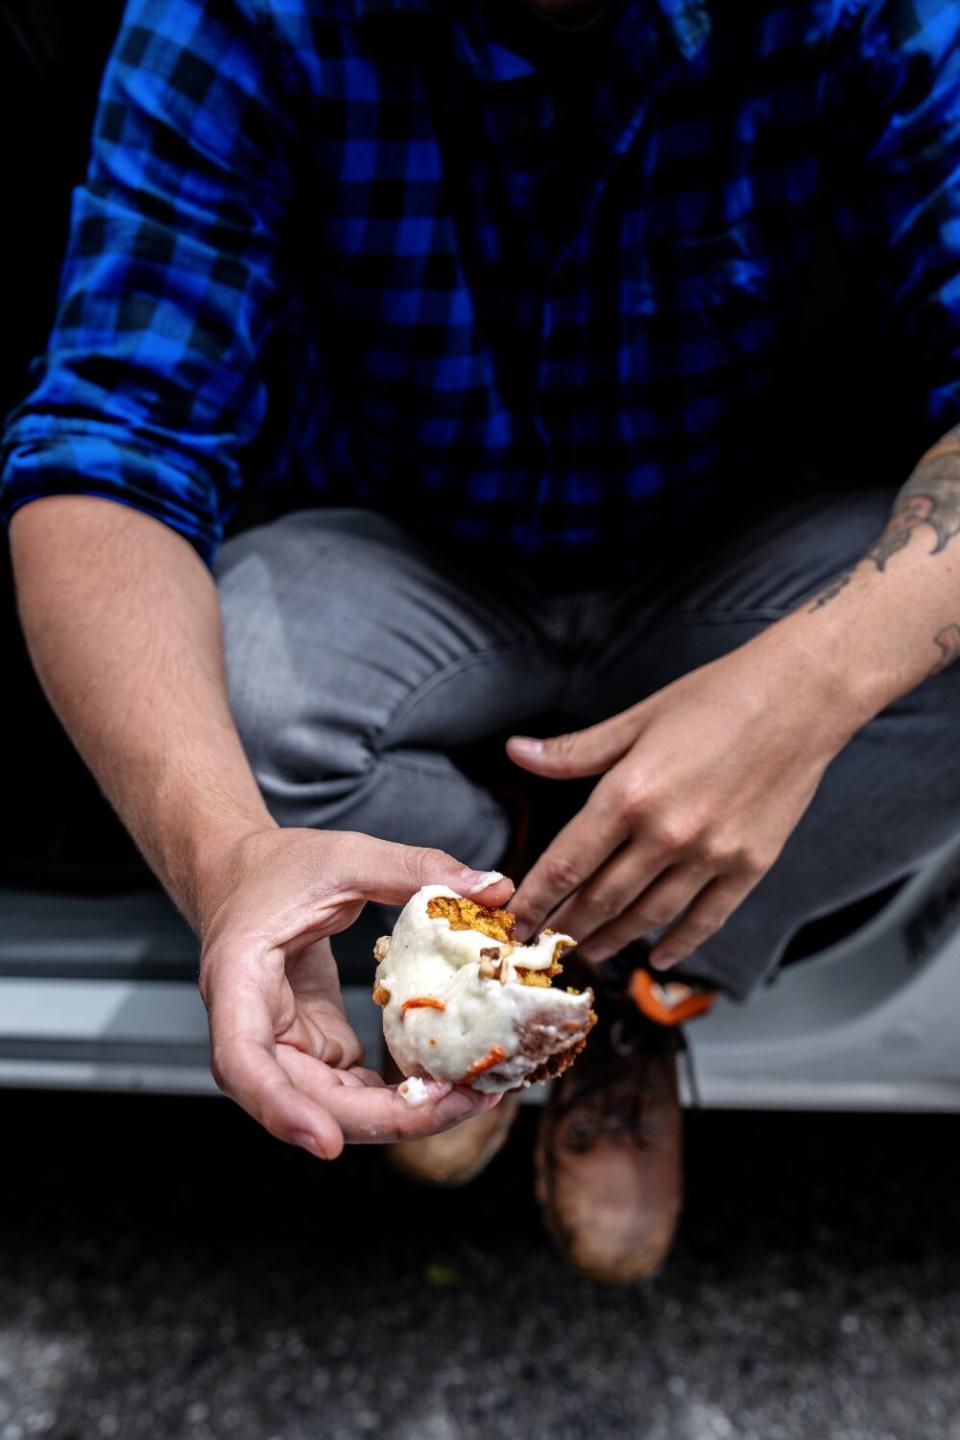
point(481, 1066)
point(423, 1002)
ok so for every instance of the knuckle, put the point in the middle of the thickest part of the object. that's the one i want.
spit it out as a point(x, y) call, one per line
point(753, 863)
point(562, 750)
point(671, 835)
point(273, 966)
point(351, 1052)
point(698, 927)
point(634, 801)
point(426, 859)
point(562, 873)
point(602, 904)
point(717, 853)
point(654, 917)
point(722, 855)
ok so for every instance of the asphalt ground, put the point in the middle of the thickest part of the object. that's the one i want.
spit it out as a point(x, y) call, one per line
point(168, 1271)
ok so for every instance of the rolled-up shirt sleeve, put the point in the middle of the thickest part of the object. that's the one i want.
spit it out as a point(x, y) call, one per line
point(895, 141)
point(151, 386)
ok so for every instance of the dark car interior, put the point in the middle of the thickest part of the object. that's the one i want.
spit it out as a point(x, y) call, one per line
point(75, 896)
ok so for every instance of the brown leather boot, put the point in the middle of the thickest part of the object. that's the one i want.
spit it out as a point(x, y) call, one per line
point(458, 1155)
point(609, 1150)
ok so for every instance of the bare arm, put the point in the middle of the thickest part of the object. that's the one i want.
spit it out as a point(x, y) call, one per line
point(123, 623)
point(906, 590)
point(704, 782)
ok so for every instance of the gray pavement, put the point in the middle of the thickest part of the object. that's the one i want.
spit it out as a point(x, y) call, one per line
point(166, 1271)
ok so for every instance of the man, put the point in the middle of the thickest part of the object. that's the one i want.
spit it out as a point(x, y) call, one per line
point(494, 306)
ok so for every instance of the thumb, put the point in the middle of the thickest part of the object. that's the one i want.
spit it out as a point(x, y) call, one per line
point(395, 872)
point(574, 755)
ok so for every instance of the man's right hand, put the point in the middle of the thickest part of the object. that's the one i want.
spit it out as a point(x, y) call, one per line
point(281, 1045)
point(123, 623)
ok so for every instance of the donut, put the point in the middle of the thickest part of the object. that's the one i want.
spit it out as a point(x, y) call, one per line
point(465, 1002)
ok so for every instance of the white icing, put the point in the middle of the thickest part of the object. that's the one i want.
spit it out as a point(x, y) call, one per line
point(414, 1091)
point(426, 959)
point(488, 878)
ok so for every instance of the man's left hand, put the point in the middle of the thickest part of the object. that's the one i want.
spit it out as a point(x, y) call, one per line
point(702, 784)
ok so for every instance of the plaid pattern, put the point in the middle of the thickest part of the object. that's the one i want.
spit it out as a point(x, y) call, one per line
point(300, 216)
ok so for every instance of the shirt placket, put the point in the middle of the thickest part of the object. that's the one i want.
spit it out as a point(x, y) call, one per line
point(640, 59)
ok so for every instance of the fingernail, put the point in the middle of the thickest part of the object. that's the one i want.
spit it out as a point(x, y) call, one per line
point(307, 1142)
point(476, 880)
point(663, 962)
point(456, 1104)
point(528, 743)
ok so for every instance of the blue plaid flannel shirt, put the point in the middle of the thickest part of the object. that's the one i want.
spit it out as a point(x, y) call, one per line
point(282, 260)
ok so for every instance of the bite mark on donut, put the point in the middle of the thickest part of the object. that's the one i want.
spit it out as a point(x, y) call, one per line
point(462, 914)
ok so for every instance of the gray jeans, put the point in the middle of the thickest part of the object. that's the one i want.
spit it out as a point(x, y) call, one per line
point(363, 665)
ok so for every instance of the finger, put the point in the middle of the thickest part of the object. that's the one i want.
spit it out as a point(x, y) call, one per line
point(358, 1075)
point(383, 871)
point(605, 899)
point(578, 753)
point(252, 1076)
point(709, 914)
point(378, 1114)
point(245, 1067)
point(581, 847)
point(367, 1077)
point(321, 1025)
point(656, 907)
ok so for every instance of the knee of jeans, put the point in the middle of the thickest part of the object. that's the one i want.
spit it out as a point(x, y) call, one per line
point(293, 725)
point(309, 765)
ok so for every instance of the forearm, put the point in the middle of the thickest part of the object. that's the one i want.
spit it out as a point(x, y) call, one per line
point(881, 628)
point(123, 625)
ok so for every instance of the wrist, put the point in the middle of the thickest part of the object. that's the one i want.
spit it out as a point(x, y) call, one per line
point(813, 671)
point(211, 862)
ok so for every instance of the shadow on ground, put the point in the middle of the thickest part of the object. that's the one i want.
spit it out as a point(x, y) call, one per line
point(168, 1271)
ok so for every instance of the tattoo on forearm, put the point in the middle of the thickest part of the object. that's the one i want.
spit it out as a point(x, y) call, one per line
point(931, 498)
point(831, 591)
point(948, 642)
